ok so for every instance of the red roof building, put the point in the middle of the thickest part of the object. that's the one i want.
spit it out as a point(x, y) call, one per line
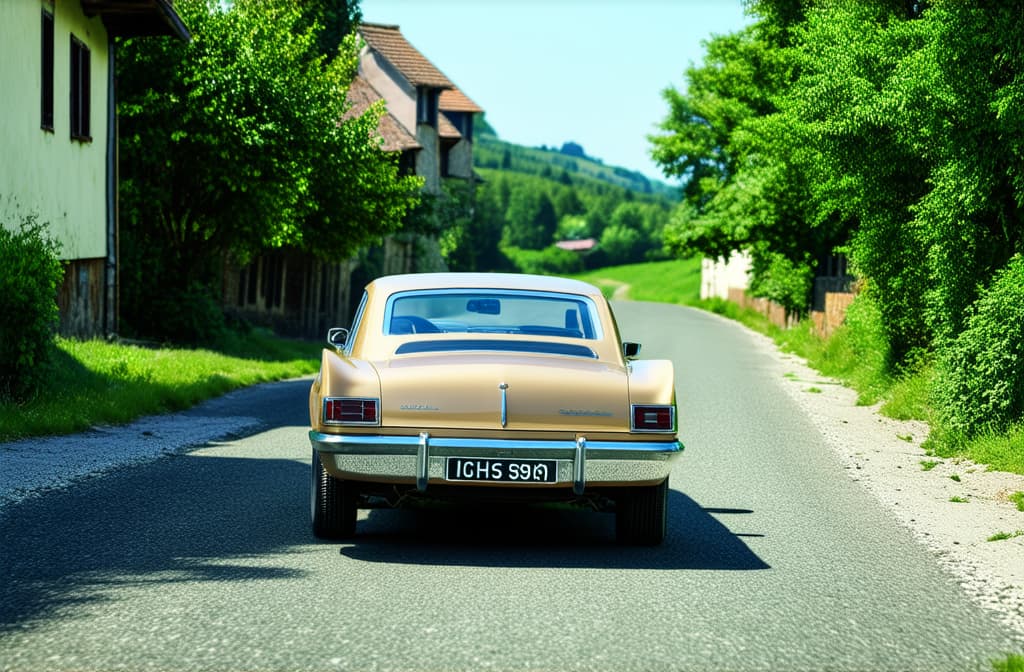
point(422, 101)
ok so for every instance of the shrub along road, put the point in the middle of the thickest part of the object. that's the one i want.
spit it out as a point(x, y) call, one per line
point(776, 559)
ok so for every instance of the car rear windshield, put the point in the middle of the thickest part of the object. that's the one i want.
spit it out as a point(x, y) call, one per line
point(492, 312)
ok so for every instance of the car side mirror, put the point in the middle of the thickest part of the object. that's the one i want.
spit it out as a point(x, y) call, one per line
point(338, 337)
point(630, 350)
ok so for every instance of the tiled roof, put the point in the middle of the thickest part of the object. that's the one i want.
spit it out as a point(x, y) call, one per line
point(389, 42)
point(454, 100)
point(446, 129)
point(577, 245)
point(396, 139)
point(138, 18)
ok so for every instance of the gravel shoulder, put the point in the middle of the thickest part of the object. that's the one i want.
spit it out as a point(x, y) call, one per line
point(885, 456)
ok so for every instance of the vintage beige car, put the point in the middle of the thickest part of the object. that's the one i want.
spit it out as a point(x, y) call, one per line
point(513, 388)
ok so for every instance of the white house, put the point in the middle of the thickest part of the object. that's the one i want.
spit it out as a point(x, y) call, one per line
point(718, 276)
point(58, 139)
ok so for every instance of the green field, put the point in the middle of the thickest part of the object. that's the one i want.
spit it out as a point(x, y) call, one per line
point(676, 281)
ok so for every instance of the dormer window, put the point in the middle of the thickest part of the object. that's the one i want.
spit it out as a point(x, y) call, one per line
point(463, 122)
point(426, 106)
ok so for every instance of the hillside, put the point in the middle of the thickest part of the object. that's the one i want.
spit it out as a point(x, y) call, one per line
point(570, 162)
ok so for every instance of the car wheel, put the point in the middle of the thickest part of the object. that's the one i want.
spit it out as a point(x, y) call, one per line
point(332, 503)
point(641, 515)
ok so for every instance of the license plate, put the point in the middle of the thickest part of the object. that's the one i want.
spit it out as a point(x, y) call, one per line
point(501, 470)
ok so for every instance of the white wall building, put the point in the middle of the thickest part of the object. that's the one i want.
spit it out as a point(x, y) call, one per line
point(718, 276)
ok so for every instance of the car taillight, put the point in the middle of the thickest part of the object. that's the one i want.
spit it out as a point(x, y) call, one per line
point(654, 418)
point(349, 411)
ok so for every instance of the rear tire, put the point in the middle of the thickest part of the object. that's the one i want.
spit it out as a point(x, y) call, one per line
point(332, 503)
point(641, 515)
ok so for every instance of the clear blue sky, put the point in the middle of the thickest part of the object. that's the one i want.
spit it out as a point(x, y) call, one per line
point(551, 71)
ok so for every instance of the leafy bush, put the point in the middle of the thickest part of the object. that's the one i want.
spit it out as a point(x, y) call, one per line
point(982, 386)
point(779, 279)
point(28, 305)
point(620, 244)
point(191, 316)
point(549, 261)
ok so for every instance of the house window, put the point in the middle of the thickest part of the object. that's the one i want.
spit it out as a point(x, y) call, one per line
point(79, 90)
point(426, 106)
point(46, 106)
point(463, 121)
point(407, 163)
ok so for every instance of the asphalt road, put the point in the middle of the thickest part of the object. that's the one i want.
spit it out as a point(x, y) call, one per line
point(775, 559)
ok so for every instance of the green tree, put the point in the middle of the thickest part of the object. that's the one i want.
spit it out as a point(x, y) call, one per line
point(969, 122)
point(853, 104)
point(734, 84)
point(891, 130)
point(470, 241)
point(747, 165)
point(572, 227)
point(620, 244)
point(531, 220)
point(331, 21)
point(237, 141)
point(567, 202)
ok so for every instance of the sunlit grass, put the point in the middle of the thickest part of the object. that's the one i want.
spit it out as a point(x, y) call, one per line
point(1012, 663)
point(1003, 536)
point(676, 281)
point(95, 382)
point(999, 450)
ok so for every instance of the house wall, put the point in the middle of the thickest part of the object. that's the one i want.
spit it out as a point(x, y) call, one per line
point(291, 292)
point(460, 160)
point(718, 276)
point(62, 181)
point(729, 279)
point(400, 97)
point(428, 159)
point(398, 93)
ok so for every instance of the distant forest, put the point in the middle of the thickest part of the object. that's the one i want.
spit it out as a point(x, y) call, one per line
point(529, 199)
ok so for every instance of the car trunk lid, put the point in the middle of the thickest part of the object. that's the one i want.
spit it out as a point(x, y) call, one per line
point(528, 392)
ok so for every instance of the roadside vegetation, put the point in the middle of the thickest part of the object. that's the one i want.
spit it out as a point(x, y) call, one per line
point(676, 281)
point(52, 385)
point(887, 134)
point(1012, 663)
point(237, 142)
point(90, 383)
point(855, 354)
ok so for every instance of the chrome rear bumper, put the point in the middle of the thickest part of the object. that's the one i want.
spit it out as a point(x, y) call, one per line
point(421, 459)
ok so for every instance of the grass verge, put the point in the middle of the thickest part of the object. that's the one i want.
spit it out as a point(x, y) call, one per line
point(95, 382)
point(1012, 663)
point(675, 281)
